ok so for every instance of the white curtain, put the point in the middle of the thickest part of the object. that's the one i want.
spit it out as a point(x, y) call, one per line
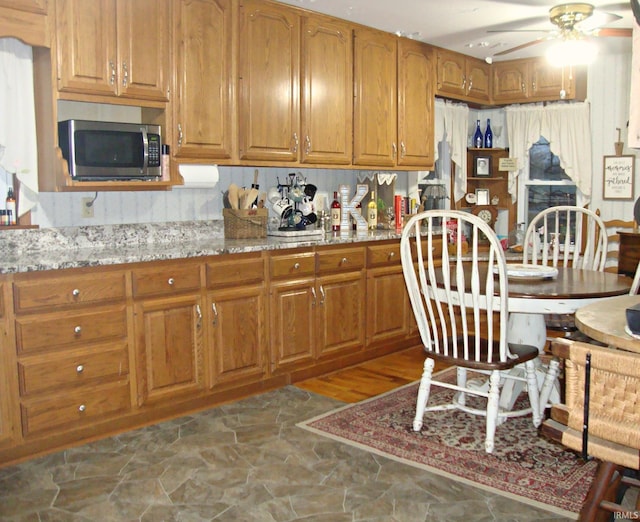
point(567, 128)
point(452, 122)
point(18, 144)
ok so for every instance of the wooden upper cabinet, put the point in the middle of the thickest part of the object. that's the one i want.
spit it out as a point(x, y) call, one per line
point(203, 49)
point(30, 6)
point(534, 80)
point(463, 77)
point(269, 82)
point(375, 111)
point(114, 47)
point(326, 91)
point(416, 70)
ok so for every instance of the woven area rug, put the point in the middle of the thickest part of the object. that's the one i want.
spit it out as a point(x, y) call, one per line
point(524, 465)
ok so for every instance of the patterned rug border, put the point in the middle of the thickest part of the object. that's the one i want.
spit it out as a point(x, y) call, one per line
point(306, 425)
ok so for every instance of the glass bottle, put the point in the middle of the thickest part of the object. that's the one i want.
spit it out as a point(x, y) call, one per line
point(488, 136)
point(11, 207)
point(477, 137)
point(335, 213)
point(372, 212)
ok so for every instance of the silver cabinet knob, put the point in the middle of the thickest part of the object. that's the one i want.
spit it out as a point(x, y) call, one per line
point(82, 408)
point(392, 255)
point(75, 292)
point(296, 266)
point(171, 281)
point(77, 329)
point(80, 368)
point(344, 261)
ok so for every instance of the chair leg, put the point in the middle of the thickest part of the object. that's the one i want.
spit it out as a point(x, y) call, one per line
point(550, 381)
point(423, 393)
point(603, 489)
point(534, 396)
point(492, 410)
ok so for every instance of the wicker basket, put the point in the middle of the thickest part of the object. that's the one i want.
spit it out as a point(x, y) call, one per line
point(245, 224)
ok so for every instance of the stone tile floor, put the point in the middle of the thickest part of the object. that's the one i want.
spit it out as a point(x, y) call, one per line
point(245, 461)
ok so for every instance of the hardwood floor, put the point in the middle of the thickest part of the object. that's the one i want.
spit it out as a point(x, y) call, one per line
point(370, 378)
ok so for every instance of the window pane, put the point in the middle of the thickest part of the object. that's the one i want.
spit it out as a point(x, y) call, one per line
point(543, 164)
point(540, 197)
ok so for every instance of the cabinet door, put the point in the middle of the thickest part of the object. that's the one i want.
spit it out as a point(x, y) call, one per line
point(510, 81)
point(143, 32)
point(415, 104)
point(239, 343)
point(293, 338)
point(8, 387)
point(203, 51)
point(451, 71)
point(269, 82)
point(169, 341)
point(478, 77)
point(388, 307)
point(327, 91)
point(341, 313)
point(86, 46)
point(548, 82)
point(375, 113)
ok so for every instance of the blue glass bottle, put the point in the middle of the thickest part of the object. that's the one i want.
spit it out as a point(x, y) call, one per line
point(488, 135)
point(477, 137)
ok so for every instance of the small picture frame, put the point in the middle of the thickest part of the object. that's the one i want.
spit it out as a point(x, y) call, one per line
point(482, 167)
point(482, 196)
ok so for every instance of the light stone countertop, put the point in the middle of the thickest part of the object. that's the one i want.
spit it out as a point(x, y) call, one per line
point(73, 247)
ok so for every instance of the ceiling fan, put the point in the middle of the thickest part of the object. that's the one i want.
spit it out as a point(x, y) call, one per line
point(574, 22)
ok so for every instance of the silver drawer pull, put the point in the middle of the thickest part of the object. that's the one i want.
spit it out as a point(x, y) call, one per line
point(171, 281)
point(296, 266)
point(75, 292)
point(82, 408)
point(80, 368)
point(77, 329)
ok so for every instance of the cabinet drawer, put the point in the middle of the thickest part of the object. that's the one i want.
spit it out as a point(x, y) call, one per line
point(292, 265)
point(383, 255)
point(75, 409)
point(35, 333)
point(165, 280)
point(235, 271)
point(344, 259)
point(72, 368)
point(38, 294)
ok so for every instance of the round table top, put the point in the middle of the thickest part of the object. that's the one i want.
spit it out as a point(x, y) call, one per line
point(604, 321)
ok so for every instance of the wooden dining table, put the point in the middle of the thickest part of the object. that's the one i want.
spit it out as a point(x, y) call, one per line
point(605, 321)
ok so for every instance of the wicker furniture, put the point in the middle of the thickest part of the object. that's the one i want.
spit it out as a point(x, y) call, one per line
point(600, 418)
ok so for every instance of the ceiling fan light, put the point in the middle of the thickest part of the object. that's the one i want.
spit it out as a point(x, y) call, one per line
point(572, 52)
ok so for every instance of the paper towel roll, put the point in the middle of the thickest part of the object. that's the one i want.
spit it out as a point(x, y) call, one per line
point(198, 176)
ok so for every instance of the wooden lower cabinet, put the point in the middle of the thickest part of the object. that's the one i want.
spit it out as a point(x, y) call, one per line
point(238, 334)
point(87, 353)
point(169, 347)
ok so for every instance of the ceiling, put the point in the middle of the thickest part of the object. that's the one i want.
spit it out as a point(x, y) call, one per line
point(463, 25)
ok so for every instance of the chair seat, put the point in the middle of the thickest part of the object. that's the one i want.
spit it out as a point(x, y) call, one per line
point(521, 352)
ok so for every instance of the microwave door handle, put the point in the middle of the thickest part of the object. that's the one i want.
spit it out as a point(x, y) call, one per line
point(145, 149)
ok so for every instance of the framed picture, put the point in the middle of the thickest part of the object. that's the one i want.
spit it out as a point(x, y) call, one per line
point(617, 177)
point(482, 166)
point(482, 196)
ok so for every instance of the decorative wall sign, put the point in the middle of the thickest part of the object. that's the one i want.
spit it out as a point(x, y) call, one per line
point(617, 177)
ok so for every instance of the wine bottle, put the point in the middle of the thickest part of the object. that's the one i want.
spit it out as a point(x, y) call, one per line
point(372, 212)
point(11, 207)
point(477, 137)
point(335, 213)
point(488, 135)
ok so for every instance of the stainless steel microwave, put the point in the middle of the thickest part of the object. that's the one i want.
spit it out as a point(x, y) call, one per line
point(109, 151)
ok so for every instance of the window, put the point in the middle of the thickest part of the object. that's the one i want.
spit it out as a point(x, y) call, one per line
point(547, 184)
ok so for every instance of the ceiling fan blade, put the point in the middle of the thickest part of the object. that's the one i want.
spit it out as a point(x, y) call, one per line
point(520, 31)
point(611, 31)
point(518, 47)
point(596, 20)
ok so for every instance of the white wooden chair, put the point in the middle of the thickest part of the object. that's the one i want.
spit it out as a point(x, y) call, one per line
point(461, 310)
point(566, 236)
